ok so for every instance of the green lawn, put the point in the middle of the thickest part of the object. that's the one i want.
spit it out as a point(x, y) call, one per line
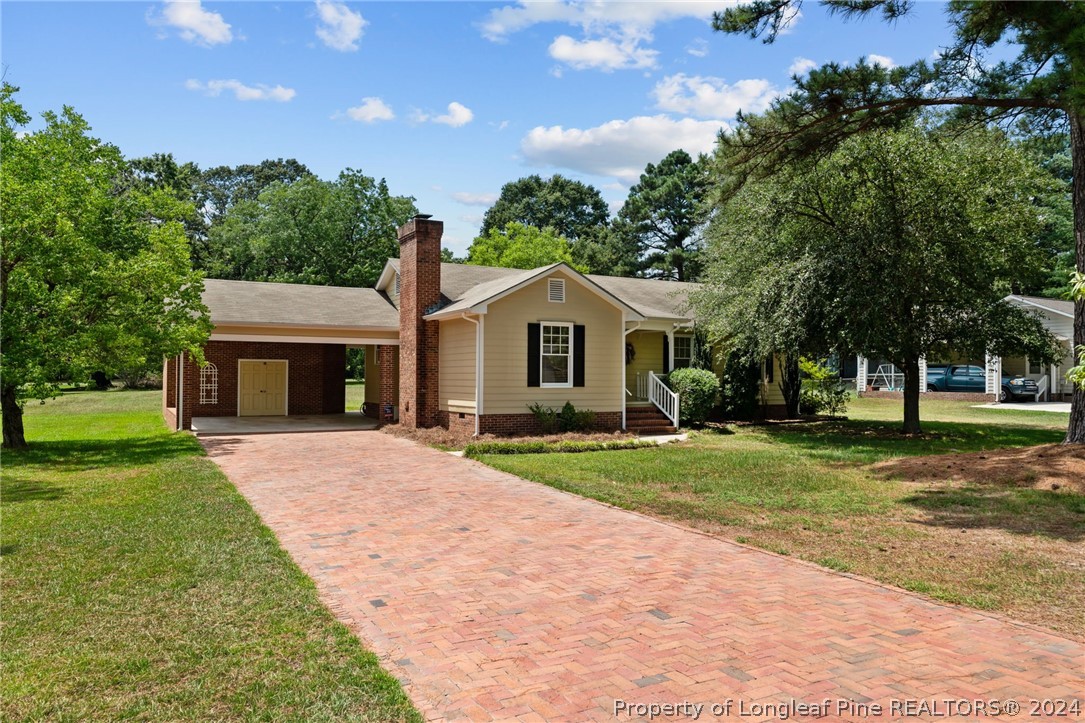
point(810, 490)
point(355, 394)
point(137, 583)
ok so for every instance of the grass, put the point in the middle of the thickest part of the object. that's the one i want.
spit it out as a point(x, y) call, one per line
point(355, 394)
point(812, 491)
point(139, 584)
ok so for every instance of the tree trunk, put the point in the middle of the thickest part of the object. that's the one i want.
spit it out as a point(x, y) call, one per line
point(1075, 432)
point(790, 384)
point(13, 418)
point(911, 396)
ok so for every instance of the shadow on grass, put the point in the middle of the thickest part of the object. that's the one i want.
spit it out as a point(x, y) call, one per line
point(30, 491)
point(866, 441)
point(80, 455)
point(1021, 511)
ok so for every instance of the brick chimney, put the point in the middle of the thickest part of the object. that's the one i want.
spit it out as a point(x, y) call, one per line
point(419, 294)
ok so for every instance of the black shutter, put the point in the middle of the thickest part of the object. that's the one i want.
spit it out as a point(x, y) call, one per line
point(666, 354)
point(534, 354)
point(578, 355)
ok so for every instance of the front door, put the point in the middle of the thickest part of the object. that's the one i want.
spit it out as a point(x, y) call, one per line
point(262, 388)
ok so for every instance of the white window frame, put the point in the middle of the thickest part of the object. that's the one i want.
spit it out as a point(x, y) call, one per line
point(542, 354)
point(688, 359)
point(209, 384)
point(555, 285)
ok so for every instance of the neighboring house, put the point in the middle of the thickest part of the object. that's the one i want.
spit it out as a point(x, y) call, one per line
point(447, 345)
point(1057, 316)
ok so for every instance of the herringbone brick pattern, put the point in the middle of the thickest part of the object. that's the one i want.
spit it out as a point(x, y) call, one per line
point(493, 598)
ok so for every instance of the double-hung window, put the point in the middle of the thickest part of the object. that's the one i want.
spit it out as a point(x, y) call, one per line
point(683, 351)
point(557, 354)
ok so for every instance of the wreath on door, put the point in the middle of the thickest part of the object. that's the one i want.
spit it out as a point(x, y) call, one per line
point(630, 352)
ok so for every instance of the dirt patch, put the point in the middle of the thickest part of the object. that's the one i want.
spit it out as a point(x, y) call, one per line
point(456, 439)
point(1046, 467)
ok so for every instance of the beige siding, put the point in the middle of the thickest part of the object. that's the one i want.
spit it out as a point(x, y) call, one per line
point(505, 359)
point(457, 359)
point(770, 391)
point(649, 357)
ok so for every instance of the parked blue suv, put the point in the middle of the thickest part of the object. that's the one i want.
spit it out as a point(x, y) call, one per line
point(972, 378)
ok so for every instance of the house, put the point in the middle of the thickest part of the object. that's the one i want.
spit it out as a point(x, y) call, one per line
point(450, 345)
point(1057, 316)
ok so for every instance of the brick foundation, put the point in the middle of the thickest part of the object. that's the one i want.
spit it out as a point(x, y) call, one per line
point(316, 378)
point(456, 421)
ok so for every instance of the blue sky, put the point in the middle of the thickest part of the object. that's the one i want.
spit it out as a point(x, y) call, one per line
point(447, 101)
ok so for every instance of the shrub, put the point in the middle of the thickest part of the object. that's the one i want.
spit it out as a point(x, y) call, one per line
point(478, 449)
point(822, 390)
point(569, 419)
point(740, 387)
point(697, 392)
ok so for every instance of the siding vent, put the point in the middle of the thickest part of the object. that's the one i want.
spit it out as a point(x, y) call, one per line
point(556, 290)
point(209, 384)
point(397, 284)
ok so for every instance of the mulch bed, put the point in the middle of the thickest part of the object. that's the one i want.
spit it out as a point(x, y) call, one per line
point(455, 439)
point(1048, 467)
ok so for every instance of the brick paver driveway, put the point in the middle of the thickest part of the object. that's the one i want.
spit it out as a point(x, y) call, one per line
point(495, 598)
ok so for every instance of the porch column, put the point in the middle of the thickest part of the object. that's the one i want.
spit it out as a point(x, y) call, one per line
point(389, 382)
point(670, 351)
point(923, 374)
point(994, 376)
point(860, 374)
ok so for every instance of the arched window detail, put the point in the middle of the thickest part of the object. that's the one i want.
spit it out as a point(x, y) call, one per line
point(209, 384)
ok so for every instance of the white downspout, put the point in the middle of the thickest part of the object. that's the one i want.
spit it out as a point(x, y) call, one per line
point(478, 365)
point(625, 367)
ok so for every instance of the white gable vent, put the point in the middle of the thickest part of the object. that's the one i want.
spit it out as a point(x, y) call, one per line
point(555, 290)
point(397, 284)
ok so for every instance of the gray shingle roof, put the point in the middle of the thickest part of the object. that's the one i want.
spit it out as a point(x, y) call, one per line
point(651, 297)
point(259, 302)
point(1060, 305)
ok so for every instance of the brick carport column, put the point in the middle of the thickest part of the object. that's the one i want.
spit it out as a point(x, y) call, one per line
point(386, 362)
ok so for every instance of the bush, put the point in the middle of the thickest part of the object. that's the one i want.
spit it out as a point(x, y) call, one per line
point(569, 419)
point(740, 387)
point(822, 390)
point(697, 391)
point(356, 363)
point(478, 449)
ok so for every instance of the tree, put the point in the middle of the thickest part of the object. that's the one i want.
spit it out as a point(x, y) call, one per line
point(663, 214)
point(901, 244)
point(520, 247)
point(92, 275)
point(569, 207)
point(183, 181)
point(337, 233)
point(1042, 87)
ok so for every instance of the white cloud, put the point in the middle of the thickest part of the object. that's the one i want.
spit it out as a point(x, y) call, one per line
point(371, 110)
point(340, 27)
point(194, 23)
point(458, 115)
point(619, 148)
point(698, 48)
point(241, 91)
point(708, 97)
point(615, 34)
point(474, 199)
point(883, 60)
point(605, 54)
point(801, 66)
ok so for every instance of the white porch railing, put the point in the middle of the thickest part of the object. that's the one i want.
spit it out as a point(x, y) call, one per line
point(661, 395)
point(642, 385)
point(1041, 388)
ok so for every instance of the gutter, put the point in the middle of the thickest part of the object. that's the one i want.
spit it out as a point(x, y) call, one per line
point(479, 339)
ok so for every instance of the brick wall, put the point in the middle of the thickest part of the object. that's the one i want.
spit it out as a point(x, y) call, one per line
point(519, 424)
point(419, 293)
point(316, 377)
point(456, 421)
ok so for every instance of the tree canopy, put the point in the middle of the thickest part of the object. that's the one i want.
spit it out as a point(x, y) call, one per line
point(900, 244)
point(573, 209)
point(337, 233)
point(517, 246)
point(94, 274)
point(1040, 90)
point(661, 219)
